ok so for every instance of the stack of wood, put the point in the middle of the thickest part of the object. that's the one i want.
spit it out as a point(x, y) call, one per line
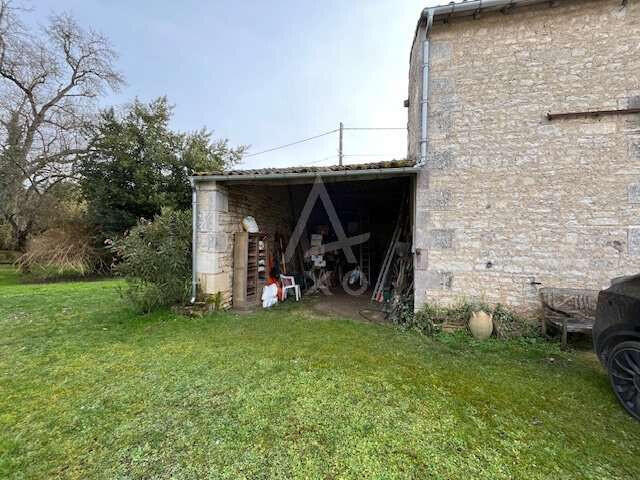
point(383, 277)
point(401, 289)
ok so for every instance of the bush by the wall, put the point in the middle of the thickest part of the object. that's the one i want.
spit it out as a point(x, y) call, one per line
point(431, 317)
point(155, 259)
point(507, 324)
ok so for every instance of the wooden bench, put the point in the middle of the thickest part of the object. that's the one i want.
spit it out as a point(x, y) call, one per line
point(571, 310)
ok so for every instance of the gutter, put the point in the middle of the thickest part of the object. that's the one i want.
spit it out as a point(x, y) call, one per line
point(194, 241)
point(475, 7)
point(280, 176)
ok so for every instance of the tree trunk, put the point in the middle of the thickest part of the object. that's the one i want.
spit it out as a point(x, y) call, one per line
point(19, 236)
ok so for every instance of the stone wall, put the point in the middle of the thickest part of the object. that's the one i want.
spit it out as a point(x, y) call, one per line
point(221, 209)
point(415, 96)
point(509, 201)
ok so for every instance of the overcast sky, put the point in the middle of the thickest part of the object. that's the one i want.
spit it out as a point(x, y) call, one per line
point(266, 73)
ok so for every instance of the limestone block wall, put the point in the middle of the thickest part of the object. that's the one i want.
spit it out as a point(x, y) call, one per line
point(415, 82)
point(221, 208)
point(509, 201)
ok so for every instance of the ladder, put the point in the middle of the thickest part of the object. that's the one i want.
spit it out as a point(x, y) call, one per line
point(376, 296)
point(365, 251)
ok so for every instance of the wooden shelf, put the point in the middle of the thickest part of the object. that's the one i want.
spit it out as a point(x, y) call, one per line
point(247, 279)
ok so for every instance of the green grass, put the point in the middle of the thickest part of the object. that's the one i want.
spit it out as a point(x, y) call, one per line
point(88, 389)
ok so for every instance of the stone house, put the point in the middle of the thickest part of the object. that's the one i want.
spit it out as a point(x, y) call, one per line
point(511, 197)
point(523, 162)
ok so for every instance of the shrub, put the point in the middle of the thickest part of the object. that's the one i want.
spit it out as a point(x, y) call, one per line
point(8, 257)
point(155, 259)
point(63, 245)
point(430, 318)
point(62, 252)
point(507, 324)
point(6, 240)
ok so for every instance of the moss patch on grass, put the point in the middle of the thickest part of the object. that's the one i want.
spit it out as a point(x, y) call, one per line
point(92, 390)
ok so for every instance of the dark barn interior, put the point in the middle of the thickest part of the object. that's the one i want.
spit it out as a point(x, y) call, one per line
point(369, 216)
point(373, 207)
point(343, 238)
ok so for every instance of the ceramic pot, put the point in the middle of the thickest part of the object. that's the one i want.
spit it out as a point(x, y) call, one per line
point(481, 325)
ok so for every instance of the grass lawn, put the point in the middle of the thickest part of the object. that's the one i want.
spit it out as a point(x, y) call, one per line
point(90, 390)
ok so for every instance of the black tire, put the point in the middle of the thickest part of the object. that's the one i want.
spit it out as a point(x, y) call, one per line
point(623, 363)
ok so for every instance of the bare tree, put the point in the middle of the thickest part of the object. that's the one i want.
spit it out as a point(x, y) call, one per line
point(49, 82)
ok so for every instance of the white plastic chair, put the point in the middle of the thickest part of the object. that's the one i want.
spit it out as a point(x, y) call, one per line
point(289, 283)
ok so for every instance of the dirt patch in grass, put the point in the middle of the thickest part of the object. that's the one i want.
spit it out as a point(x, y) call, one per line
point(354, 307)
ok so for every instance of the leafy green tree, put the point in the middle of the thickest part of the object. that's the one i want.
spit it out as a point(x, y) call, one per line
point(137, 165)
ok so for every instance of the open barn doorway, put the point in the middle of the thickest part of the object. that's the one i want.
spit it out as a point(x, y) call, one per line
point(342, 234)
point(355, 271)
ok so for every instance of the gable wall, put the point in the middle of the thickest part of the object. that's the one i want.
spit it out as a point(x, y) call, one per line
point(509, 201)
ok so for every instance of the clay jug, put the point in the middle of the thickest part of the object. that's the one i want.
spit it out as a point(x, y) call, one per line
point(481, 325)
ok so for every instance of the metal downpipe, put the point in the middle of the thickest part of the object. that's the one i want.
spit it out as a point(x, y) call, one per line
point(194, 241)
point(424, 100)
point(444, 13)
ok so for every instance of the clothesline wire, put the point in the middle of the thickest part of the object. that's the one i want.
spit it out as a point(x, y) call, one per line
point(292, 143)
point(318, 136)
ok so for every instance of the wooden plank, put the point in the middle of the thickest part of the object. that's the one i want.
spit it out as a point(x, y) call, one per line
point(240, 267)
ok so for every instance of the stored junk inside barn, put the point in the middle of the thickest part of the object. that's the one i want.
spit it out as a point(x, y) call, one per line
point(343, 233)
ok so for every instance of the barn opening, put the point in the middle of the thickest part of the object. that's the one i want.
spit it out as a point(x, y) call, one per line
point(343, 236)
